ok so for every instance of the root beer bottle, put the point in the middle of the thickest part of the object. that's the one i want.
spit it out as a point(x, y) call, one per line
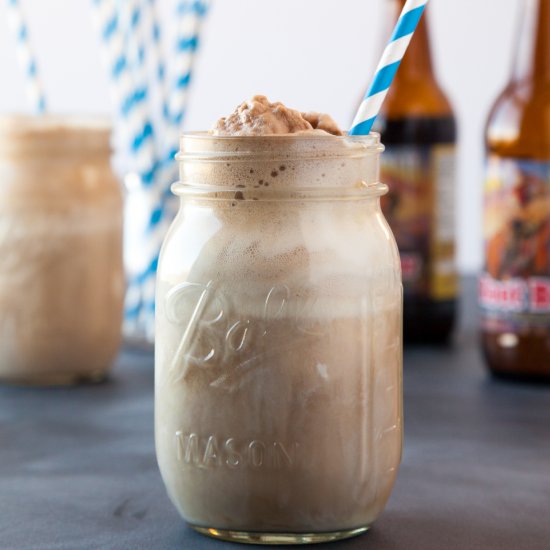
point(419, 131)
point(515, 285)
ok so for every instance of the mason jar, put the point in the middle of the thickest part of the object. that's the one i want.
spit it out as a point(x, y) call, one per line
point(61, 275)
point(278, 398)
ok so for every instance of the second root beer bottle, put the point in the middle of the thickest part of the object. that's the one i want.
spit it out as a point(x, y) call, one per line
point(515, 285)
point(419, 131)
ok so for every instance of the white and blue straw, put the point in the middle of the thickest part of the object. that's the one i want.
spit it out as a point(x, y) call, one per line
point(26, 57)
point(132, 43)
point(387, 68)
point(124, 51)
point(155, 30)
point(190, 15)
point(136, 106)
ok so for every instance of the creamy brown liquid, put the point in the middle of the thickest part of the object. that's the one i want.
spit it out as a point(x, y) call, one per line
point(278, 344)
point(289, 433)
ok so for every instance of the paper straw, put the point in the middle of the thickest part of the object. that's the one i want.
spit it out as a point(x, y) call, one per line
point(150, 231)
point(387, 68)
point(113, 49)
point(136, 109)
point(26, 57)
point(120, 28)
point(131, 38)
point(155, 33)
point(129, 90)
point(190, 15)
point(167, 171)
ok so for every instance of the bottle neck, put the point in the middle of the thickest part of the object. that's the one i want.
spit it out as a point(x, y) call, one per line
point(417, 63)
point(533, 58)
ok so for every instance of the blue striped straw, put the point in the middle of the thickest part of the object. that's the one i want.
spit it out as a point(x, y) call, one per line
point(387, 68)
point(26, 57)
point(190, 14)
point(161, 213)
point(160, 65)
point(131, 94)
point(121, 29)
point(137, 107)
point(127, 28)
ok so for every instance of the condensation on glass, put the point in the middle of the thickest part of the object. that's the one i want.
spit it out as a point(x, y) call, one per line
point(278, 339)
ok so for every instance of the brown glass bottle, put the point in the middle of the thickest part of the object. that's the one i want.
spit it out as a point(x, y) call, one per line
point(515, 285)
point(419, 131)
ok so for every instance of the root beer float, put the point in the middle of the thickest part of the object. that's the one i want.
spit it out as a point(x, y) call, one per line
point(61, 281)
point(278, 335)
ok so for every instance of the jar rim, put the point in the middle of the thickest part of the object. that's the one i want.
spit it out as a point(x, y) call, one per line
point(19, 124)
point(279, 167)
point(51, 132)
point(310, 144)
point(373, 137)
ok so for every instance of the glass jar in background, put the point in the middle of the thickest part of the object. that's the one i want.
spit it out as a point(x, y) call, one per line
point(61, 274)
point(278, 409)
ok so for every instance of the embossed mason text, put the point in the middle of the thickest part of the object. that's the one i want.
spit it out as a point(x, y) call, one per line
point(211, 451)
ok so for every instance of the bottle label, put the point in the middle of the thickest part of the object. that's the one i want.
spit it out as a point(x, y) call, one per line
point(514, 291)
point(420, 208)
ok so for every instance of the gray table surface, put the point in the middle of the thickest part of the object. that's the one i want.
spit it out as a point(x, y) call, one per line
point(78, 470)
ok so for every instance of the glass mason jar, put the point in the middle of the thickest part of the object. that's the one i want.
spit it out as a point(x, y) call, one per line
point(279, 339)
point(61, 275)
